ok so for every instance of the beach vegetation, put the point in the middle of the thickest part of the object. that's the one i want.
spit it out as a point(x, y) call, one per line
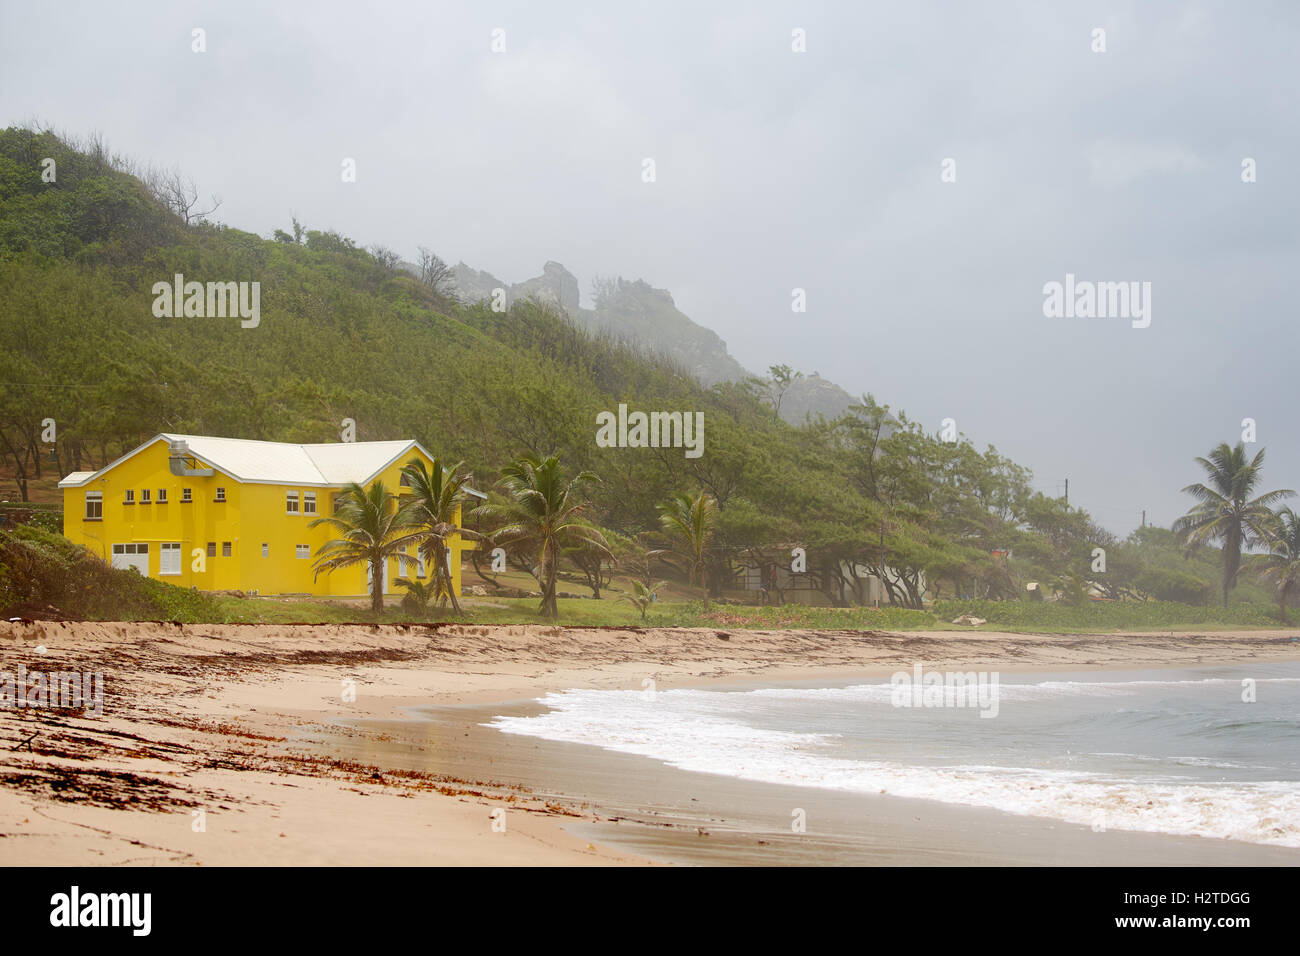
point(542, 517)
point(433, 509)
point(1227, 510)
point(372, 526)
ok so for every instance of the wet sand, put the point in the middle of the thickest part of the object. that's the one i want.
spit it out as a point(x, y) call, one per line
point(213, 725)
point(645, 807)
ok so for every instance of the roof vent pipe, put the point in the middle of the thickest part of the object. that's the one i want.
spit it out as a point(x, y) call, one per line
point(180, 452)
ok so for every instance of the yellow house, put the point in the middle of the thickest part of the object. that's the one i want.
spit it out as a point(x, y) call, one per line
point(229, 514)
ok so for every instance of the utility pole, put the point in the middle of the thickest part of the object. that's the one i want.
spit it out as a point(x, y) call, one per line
point(1067, 492)
point(1144, 517)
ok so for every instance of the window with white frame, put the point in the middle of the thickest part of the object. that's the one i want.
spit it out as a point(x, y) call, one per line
point(309, 502)
point(169, 557)
point(144, 496)
point(130, 497)
point(185, 495)
point(291, 502)
point(302, 550)
point(266, 549)
point(220, 495)
point(420, 569)
point(94, 505)
point(162, 496)
point(225, 549)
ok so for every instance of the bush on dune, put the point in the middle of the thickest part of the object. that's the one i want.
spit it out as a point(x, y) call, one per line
point(40, 571)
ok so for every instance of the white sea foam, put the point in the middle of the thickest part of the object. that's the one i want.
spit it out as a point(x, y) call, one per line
point(1012, 691)
point(707, 731)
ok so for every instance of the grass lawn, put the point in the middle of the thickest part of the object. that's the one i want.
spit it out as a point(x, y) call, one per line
point(610, 611)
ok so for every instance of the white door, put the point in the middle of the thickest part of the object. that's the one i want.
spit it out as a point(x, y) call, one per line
point(131, 556)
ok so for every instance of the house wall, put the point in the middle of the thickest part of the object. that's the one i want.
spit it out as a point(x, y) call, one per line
point(251, 515)
point(804, 588)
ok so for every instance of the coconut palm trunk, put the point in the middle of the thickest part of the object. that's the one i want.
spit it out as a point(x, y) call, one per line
point(376, 565)
point(442, 561)
point(551, 572)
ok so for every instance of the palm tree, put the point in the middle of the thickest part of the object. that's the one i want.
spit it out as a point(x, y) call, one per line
point(370, 525)
point(544, 516)
point(1226, 511)
point(437, 493)
point(1283, 559)
point(419, 596)
point(643, 596)
point(689, 522)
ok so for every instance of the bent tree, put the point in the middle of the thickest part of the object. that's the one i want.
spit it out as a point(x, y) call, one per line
point(1226, 512)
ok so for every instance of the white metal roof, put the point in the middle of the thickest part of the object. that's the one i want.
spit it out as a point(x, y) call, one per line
point(281, 463)
point(289, 464)
point(340, 462)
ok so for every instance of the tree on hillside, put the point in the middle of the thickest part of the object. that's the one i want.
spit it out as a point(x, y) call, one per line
point(543, 514)
point(329, 241)
point(386, 258)
point(689, 522)
point(371, 527)
point(435, 273)
point(436, 495)
point(1226, 512)
point(1282, 563)
point(179, 193)
point(783, 376)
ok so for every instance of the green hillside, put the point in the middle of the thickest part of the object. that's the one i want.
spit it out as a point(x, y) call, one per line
point(344, 334)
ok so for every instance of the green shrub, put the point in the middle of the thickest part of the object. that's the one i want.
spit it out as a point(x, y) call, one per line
point(1165, 584)
point(43, 573)
point(1105, 615)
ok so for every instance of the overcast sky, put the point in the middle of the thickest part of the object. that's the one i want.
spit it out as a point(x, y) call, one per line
point(778, 170)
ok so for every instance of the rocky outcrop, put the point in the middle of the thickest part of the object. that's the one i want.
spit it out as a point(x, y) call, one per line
point(636, 312)
point(471, 285)
point(643, 315)
point(811, 396)
point(556, 286)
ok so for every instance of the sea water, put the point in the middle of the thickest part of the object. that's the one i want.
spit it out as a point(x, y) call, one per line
point(1171, 751)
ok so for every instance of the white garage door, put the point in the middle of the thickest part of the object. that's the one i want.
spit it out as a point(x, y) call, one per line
point(131, 556)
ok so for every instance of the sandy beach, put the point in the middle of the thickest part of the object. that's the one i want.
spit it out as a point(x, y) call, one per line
point(299, 745)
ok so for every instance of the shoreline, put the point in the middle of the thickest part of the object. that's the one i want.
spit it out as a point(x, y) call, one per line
point(211, 719)
point(671, 815)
